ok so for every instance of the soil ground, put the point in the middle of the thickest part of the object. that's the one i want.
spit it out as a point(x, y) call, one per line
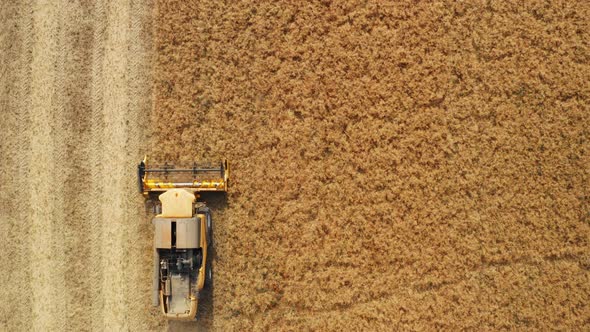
point(415, 166)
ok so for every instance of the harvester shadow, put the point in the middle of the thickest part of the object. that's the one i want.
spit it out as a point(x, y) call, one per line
point(217, 202)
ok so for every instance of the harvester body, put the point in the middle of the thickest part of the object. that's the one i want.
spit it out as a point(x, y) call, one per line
point(182, 235)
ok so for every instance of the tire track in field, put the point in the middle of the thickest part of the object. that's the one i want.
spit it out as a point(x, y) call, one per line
point(125, 97)
point(45, 204)
point(15, 87)
point(94, 159)
point(140, 229)
point(75, 40)
point(115, 99)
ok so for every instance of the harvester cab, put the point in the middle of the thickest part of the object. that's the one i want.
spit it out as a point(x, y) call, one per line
point(183, 232)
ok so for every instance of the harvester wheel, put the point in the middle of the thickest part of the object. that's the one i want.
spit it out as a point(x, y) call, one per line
point(209, 231)
point(209, 273)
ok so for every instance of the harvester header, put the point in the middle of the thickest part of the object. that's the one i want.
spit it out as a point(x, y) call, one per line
point(198, 177)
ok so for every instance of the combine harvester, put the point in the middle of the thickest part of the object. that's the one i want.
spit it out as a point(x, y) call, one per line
point(183, 232)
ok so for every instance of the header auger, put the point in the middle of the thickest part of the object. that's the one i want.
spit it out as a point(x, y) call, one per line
point(195, 178)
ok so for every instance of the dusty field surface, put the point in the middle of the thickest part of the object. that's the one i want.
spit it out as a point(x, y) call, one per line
point(415, 166)
point(411, 166)
point(75, 90)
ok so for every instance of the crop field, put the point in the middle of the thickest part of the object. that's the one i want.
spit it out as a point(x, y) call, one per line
point(414, 165)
